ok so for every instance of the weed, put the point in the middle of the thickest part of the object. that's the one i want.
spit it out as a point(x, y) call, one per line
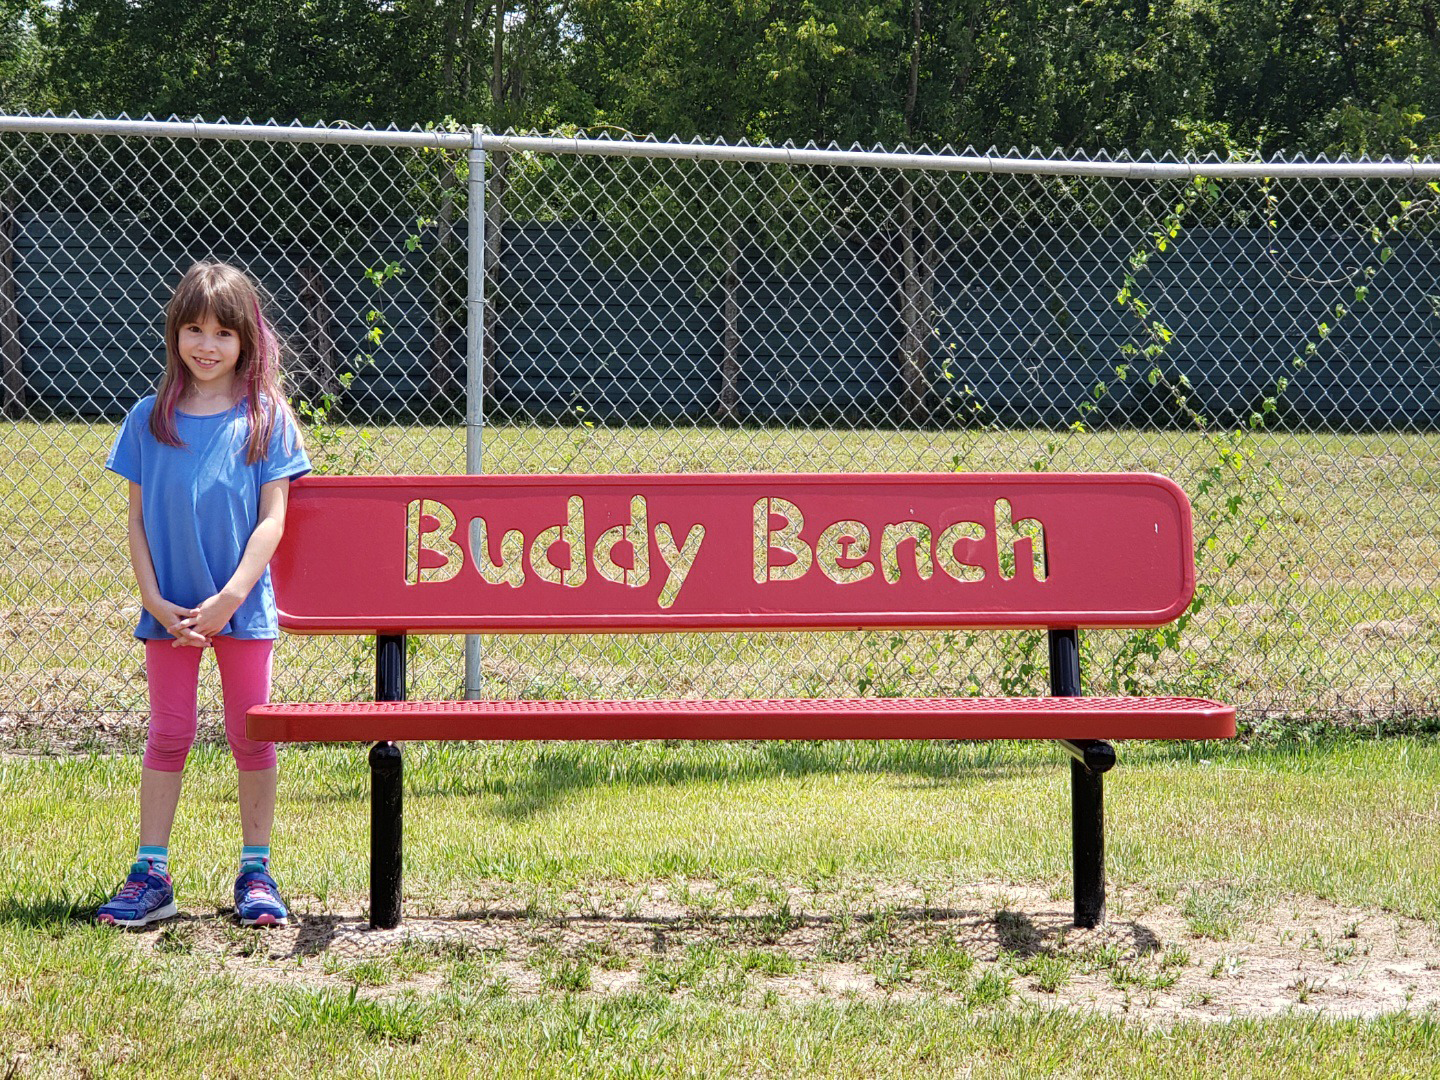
point(178, 939)
point(949, 965)
point(1017, 932)
point(398, 1022)
point(774, 925)
point(839, 945)
point(240, 941)
point(604, 955)
point(1214, 913)
point(1124, 976)
point(1338, 954)
point(1225, 967)
point(454, 950)
point(1049, 972)
point(569, 975)
point(892, 969)
point(990, 988)
point(685, 973)
point(369, 973)
point(879, 928)
point(1099, 959)
point(727, 984)
point(1304, 989)
point(768, 962)
point(1162, 980)
point(1177, 956)
point(468, 973)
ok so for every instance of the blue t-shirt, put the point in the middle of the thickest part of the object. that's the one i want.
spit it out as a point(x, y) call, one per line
point(201, 502)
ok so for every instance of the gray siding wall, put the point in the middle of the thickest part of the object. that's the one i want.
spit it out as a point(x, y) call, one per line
point(1028, 322)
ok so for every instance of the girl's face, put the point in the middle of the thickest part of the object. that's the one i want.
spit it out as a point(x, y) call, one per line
point(210, 352)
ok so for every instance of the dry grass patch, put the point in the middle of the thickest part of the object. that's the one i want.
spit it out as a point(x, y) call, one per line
point(981, 946)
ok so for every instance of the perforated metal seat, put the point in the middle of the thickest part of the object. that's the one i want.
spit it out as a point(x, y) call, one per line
point(823, 718)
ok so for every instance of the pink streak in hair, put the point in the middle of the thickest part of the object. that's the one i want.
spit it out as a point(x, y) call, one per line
point(164, 412)
point(262, 384)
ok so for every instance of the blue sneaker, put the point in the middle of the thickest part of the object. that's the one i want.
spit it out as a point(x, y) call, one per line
point(257, 898)
point(144, 898)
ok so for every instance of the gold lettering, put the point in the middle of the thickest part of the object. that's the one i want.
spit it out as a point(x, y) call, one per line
point(892, 536)
point(958, 568)
point(840, 541)
point(637, 535)
point(784, 539)
point(510, 570)
point(572, 535)
point(437, 539)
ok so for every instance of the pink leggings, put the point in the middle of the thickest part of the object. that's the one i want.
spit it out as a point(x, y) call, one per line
point(174, 678)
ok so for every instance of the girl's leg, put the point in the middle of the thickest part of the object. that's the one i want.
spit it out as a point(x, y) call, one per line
point(173, 676)
point(245, 677)
point(245, 681)
point(159, 798)
point(257, 805)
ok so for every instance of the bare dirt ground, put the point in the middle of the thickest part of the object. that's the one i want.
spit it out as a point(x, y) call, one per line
point(984, 944)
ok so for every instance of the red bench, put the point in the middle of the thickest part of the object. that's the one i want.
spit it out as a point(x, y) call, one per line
point(391, 556)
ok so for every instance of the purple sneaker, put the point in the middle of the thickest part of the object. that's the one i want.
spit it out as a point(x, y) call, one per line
point(257, 898)
point(144, 898)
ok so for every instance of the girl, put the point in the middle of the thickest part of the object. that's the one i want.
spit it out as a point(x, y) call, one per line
point(209, 457)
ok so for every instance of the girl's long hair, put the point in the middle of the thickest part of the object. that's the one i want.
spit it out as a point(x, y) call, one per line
point(220, 290)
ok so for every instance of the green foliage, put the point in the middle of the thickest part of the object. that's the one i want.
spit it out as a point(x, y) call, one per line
point(1192, 77)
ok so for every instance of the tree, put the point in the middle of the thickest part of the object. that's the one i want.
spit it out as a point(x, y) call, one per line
point(313, 61)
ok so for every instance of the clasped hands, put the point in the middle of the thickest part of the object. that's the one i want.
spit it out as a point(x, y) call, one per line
point(195, 627)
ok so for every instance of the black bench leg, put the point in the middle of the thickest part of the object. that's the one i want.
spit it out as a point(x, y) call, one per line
point(386, 806)
point(1087, 831)
point(1092, 758)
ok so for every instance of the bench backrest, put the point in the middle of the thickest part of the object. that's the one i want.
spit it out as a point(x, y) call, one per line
point(505, 554)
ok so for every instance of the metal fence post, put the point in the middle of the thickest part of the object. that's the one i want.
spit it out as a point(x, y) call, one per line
point(474, 355)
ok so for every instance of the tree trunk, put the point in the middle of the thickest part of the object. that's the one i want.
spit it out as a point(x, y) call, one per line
point(11, 358)
point(496, 187)
point(913, 295)
point(316, 376)
point(730, 358)
point(440, 369)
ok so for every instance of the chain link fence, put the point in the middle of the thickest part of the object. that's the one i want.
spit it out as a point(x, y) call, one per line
point(1264, 334)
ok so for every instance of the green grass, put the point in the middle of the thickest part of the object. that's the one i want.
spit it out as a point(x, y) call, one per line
point(729, 831)
point(650, 1034)
point(1260, 822)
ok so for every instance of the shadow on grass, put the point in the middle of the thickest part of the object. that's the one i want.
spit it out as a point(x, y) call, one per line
point(849, 937)
point(56, 914)
point(522, 789)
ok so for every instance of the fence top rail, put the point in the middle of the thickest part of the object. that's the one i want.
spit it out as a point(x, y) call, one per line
point(480, 139)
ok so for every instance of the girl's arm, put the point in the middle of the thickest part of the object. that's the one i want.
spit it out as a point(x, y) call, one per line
point(212, 615)
point(171, 616)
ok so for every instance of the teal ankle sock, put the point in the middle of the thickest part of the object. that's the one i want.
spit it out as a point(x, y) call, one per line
point(158, 857)
point(253, 856)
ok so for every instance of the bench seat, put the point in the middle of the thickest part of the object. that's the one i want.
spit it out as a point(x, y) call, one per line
point(810, 718)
